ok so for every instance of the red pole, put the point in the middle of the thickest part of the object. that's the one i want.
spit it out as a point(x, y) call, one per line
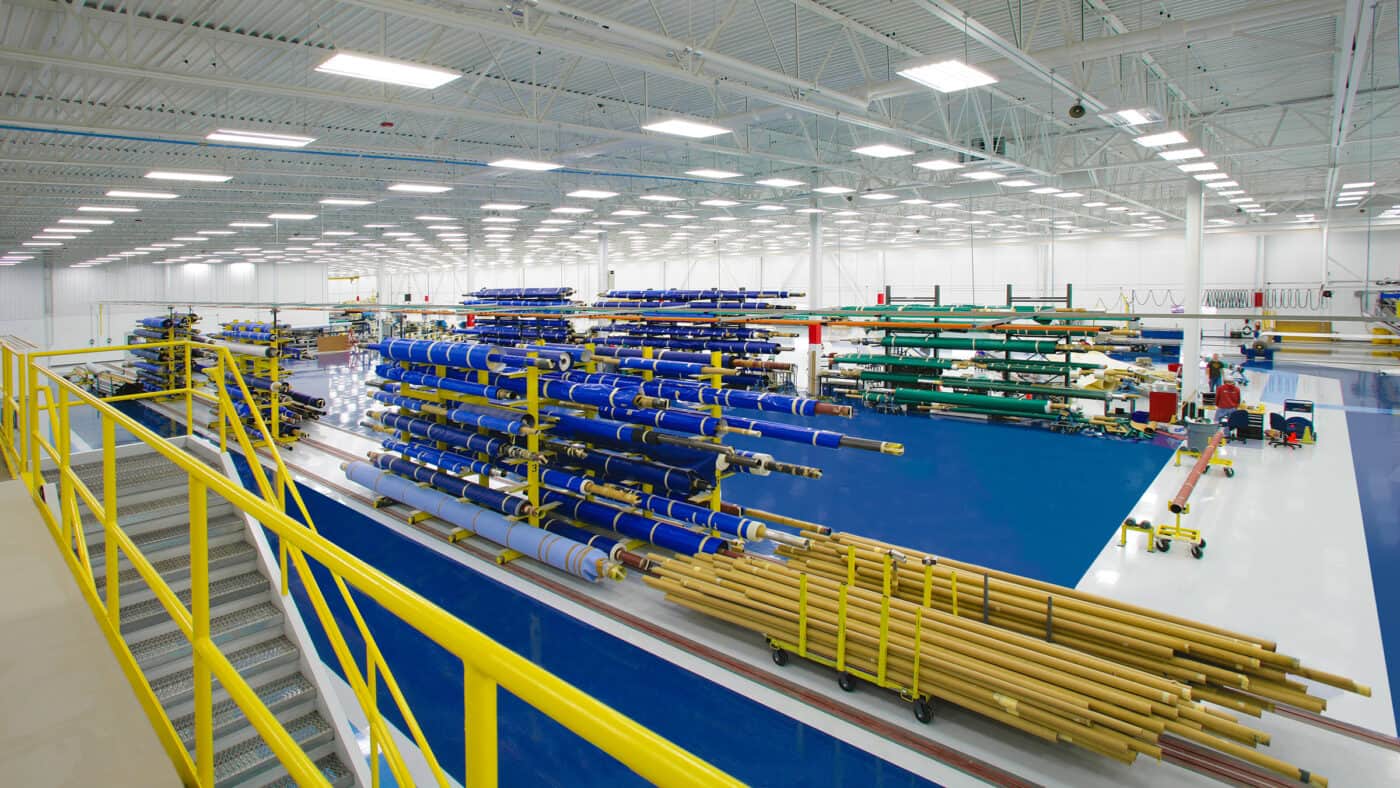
point(1178, 503)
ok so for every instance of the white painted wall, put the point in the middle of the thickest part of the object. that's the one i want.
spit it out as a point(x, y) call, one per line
point(1105, 271)
point(81, 319)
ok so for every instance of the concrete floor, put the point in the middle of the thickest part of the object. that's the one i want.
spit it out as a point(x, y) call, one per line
point(68, 715)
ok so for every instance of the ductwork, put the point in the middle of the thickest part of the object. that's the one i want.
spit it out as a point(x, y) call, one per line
point(1256, 16)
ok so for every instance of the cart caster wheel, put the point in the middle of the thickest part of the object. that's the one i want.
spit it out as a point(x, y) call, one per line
point(846, 682)
point(1203, 544)
point(1197, 551)
point(1164, 545)
point(1130, 522)
point(923, 711)
point(780, 657)
point(1229, 473)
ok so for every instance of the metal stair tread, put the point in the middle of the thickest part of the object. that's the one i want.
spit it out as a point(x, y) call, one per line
point(173, 641)
point(331, 767)
point(247, 756)
point(248, 661)
point(129, 514)
point(180, 562)
point(277, 694)
point(218, 588)
point(167, 527)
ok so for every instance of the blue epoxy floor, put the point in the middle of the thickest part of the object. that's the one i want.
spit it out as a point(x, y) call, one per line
point(1021, 499)
point(535, 750)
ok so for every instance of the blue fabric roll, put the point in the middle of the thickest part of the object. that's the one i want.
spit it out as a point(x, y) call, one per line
point(392, 372)
point(438, 432)
point(551, 548)
point(600, 515)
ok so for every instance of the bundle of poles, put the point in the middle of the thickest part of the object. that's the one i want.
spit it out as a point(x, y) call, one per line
point(620, 458)
point(1058, 663)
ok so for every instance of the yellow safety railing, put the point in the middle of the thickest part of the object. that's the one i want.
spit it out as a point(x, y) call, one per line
point(486, 664)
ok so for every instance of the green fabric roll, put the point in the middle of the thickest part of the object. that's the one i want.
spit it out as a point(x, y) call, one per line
point(974, 343)
point(894, 361)
point(976, 402)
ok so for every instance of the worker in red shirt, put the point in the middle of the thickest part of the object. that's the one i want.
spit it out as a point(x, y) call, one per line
point(1227, 399)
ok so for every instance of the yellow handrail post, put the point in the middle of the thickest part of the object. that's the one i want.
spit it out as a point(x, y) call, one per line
point(479, 693)
point(189, 390)
point(7, 380)
point(199, 614)
point(223, 419)
point(109, 520)
point(36, 478)
point(65, 483)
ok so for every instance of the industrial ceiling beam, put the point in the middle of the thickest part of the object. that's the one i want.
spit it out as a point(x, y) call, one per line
point(1256, 16)
point(1354, 41)
point(988, 38)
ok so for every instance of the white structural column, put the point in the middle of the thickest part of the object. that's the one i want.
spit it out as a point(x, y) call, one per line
point(604, 265)
point(1191, 330)
point(814, 292)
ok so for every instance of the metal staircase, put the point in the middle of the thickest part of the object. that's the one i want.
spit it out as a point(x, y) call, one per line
point(249, 622)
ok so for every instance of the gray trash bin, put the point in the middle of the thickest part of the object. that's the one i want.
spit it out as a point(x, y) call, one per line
point(1199, 433)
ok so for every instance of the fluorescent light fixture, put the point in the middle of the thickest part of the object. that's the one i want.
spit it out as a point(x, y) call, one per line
point(131, 195)
point(1238, 200)
point(189, 238)
point(42, 243)
point(383, 69)
point(107, 209)
point(629, 212)
point(1068, 195)
point(1199, 166)
point(883, 151)
point(1229, 192)
point(85, 221)
point(1095, 204)
point(531, 165)
point(249, 224)
point(570, 209)
point(982, 175)
point(777, 183)
point(1343, 195)
point(660, 198)
point(591, 194)
point(260, 138)
point(1116, 209)
point(718, 175)
point(1359, 185)
point(948, 76)
point(834, 189)
point(197, 177)
point(915, 201)
point(769, 207)
point(499, 219)
point(345, 201)
point(292, 217)
point(1045, 190)
point(879, 196)
point(1017, 183)
point(1222, 184)
point(1211, 176)
point(686, 128)
point(938, 165)
point(216, 232)
point(1181, 153)
point(503, 206)
point(419, 188)
point(1132, 117)
point(1160, 140)
point(48, 236)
